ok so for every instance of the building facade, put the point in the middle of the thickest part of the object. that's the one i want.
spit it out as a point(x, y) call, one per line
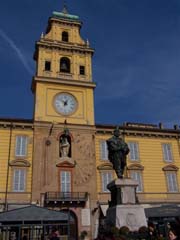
point(59, 159)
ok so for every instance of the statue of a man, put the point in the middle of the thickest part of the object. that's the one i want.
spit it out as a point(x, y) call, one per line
point(117, 151)
point(64, 144)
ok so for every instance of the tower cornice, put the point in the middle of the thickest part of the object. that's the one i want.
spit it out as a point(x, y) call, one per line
point(65, 46)
point(58, 45)
point(58, 81)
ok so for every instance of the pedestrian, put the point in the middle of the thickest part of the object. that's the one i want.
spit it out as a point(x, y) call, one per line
point(173, 234)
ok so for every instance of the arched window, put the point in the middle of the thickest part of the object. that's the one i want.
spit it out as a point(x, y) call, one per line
point(65, 65)
point(73, 227)
point(65, 37)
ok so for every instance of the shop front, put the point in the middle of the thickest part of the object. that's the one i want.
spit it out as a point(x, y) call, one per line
point(35, 223)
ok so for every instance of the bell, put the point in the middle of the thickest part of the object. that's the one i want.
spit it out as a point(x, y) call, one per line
point(64, 67)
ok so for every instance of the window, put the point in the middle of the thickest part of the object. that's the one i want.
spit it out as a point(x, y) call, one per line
point(47, 66)
point(134, 151)
point(136, 175)
point(65, 178)
point(19, 179)
point(81, 70)
point(106, 178)
point(167, 152)
point(65, 36)
point(21, 146)
point(65, 65)
point(172, 185)
point(103, 150)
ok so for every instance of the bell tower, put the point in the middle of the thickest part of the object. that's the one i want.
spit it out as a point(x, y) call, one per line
point(64, 132)
point(63, 85)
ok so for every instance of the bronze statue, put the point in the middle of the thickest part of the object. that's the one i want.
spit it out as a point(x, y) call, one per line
point(117, 151)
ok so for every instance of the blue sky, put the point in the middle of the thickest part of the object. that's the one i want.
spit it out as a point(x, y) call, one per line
point(136, 64)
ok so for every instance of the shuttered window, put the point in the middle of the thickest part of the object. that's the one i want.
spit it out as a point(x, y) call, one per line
point(65, 178)
point(21, 146)
point(172, 182)
point(167, 152)
point(134, 151)
point(136, 175)
point(106, 178)
point(19, 180)
point(103, 150)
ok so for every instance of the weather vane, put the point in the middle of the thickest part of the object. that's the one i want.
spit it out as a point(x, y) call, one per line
point(64, 7)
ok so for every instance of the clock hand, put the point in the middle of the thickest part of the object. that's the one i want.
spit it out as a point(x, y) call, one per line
point(64, 102)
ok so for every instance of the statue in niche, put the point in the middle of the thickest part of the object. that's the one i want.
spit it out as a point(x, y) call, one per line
point(65, 144)
point(117, 152)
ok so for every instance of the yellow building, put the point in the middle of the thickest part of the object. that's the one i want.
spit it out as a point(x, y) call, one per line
point(153, 161)
point(16, 148)
point(59, 160)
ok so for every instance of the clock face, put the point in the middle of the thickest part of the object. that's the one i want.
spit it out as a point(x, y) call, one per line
point(65, 103)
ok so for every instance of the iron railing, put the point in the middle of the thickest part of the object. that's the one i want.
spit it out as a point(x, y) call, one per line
point(66, 196)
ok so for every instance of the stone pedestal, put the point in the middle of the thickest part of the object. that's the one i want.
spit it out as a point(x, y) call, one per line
point(124, 209)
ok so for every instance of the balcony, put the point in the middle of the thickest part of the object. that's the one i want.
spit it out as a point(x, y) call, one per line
point(64, 199)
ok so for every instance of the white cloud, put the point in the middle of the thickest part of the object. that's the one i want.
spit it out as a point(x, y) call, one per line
point(17, 50)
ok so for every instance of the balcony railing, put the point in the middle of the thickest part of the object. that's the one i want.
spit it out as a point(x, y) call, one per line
point(66, 196)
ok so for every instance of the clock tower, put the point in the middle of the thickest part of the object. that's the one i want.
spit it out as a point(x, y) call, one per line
point(63, 85)
point(64, 168)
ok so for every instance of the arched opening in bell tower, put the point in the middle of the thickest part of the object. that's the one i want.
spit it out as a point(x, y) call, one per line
point(65, 65)
point(65, 36)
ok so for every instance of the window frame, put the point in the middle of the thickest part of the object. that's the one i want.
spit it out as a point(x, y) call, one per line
point(61, 182)
point(169, 185)
point(140, 185)
point(166, 153)
point(20, 155)
point(138, 153)
point(65, 37)
point(101, 150)
point(108, 180)
point(19, 180)
point(49, 62)
point(82, 70)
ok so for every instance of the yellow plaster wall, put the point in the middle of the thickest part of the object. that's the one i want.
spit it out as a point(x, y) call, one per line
point(45, 111)
point(57, 28)
point(151, 158)
point(4, 152)
point(76, 60)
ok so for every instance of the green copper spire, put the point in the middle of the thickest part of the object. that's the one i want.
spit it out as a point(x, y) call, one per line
point(65, 15)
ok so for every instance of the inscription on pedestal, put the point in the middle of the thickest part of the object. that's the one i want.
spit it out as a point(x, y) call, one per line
point(123, 208)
